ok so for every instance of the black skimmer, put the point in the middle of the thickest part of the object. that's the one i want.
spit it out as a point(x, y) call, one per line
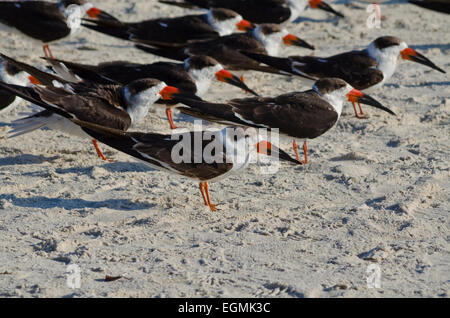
point(156, 149)
point(300, 115)
point(194, 76)
point(264, 39)
point(435, 5)
point(260, 11)
point(46, 21)
point(365, 69)
point(11, 74)
point(174, 31)
point(114, 105)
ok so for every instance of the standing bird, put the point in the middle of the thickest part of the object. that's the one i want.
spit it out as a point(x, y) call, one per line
point(260, 11)
point(194, 76)
point(365, 69)
point(174, 31)
point(114, 105)
point(303, 115)
point(45, 21)
point(233, 150)
point(264, 39)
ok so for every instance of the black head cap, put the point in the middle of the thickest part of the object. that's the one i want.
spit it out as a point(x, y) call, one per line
point(140, 85)
point(328, 85)
point(269, 28)
point(386, 41)
point(10, 68)
point(199, 62)
point(67, 3)
point(221, 14)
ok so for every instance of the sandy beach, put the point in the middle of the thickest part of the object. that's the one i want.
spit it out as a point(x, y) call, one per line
point(373, 199)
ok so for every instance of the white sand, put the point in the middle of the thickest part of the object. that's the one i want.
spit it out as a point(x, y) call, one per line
point(375, 192)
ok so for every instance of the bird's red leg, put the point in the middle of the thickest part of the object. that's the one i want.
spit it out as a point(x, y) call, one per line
point(305, 150)
point(294, 144)
point(202, 189)
point(211, 206)
point(169, 117)
point(362, 115)
point(48, 52)
point(99, 152)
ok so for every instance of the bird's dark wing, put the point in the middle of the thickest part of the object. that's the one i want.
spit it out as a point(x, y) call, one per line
point(156, 149)
point(92, 109)
point(37, 19)
point(435, 5)
point(174, 31)
point(357, 68)
point(257, 11)
point(299, 114)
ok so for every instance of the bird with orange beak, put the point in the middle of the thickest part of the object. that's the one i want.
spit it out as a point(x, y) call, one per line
point(299, 115)
point(264, 39)
point(366, 69)
point(195, 75)
point(111, 105)
point(260, 11)
point(46, 21)
point(173, 31)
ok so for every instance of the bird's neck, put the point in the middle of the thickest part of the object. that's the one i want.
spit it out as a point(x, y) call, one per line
point(386, 59)
point(297, 7)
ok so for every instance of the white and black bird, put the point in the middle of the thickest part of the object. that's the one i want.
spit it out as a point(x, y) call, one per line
point(47, 22)
point(264, 39)
point(366, 69)
point(195, 75)
point(114, 105)
point(260, 11)
point(174, 31)
point(231, 153)
point(299, 115)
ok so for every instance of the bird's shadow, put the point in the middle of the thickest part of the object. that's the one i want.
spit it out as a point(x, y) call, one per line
point(26, 159)
point(444, 83)
point(301, 19)
point(110, 167)
point(368, 3)
point(424, 47)
point(42, 202)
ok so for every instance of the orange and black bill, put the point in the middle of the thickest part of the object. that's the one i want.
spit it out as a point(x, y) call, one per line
point(356, 96)
point(229, 78)
point(319, 4)
point(245, 25)
point(291, 39)
point(95, 13)
point(266, 148)
point(413, 55)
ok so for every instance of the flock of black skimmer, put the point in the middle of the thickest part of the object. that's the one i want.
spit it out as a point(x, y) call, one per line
point(101, 102)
